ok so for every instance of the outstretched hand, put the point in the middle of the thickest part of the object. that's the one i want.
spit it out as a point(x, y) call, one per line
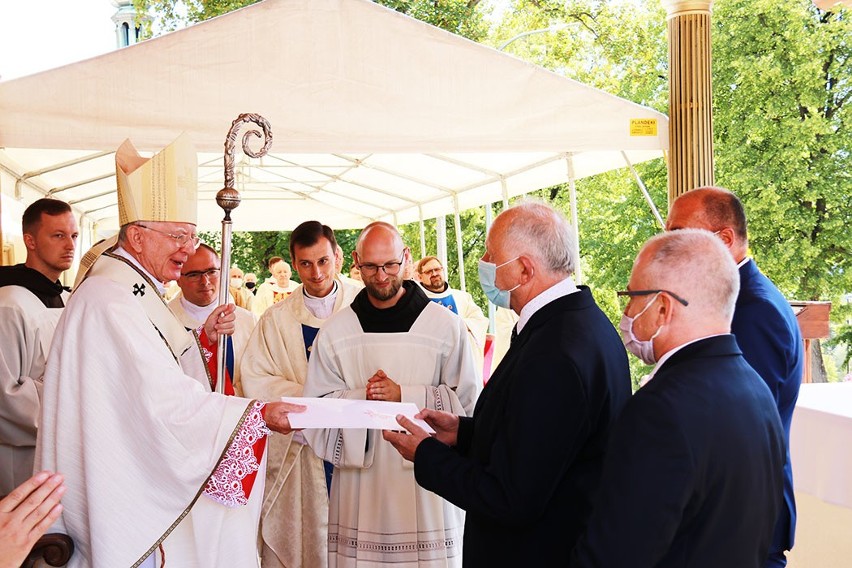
point(25, 515)
point(277, 415)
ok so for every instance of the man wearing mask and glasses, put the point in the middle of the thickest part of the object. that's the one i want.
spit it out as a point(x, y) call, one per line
point(526, 466)
point(156, 465)
point(390, 344)
point(694, 469)
point(199, 283)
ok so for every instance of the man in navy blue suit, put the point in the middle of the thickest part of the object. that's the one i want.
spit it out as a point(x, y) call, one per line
point(526, 466)
point(764, 325)
point(694, 470)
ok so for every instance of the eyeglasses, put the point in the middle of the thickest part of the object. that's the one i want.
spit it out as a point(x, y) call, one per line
point(632, 293)
point(195, 275)
point(389, 268)
point(180, 240)
point(433, 271)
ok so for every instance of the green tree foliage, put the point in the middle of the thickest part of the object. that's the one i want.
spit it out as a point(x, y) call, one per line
point(783, 131)
point(783, 81)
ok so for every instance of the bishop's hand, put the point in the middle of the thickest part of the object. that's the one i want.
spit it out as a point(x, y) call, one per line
point(221, 320)
point(277, 414)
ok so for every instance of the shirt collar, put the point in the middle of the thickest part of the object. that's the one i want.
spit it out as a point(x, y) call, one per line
point(563, 288)
point(666, 356)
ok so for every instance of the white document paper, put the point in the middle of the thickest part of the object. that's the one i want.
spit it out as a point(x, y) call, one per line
point(348, 413)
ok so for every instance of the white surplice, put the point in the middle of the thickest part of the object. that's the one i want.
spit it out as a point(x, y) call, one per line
point(26, 330)
point(294, 519)
point(377, 512)
point(129, 419)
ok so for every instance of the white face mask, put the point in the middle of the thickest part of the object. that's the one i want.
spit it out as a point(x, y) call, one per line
point(644, 350)
point(236, 282)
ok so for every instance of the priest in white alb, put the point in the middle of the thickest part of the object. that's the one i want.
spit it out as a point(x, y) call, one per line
point(390, 344)
point(159, 469)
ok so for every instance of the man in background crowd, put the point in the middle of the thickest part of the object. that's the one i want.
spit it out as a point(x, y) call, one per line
point(276, 288)
point(236, 286)
point(31, 301)
point(430, 273)
point(251, 282)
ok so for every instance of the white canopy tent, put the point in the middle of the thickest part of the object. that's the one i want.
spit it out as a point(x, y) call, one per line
point(374, 115)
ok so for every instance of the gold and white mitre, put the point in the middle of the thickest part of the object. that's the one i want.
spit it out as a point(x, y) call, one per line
point(161, 188)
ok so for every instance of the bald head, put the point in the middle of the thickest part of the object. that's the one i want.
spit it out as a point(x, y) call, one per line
point(715, 209)
point(695, 265)
point(537, 230)
point(378, 232)
point(382, 257)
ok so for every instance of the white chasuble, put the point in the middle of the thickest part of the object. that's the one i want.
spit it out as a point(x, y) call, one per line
point(153, 461)
point(377, 512)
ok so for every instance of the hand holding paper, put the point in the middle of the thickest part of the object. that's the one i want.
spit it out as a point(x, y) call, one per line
point(348, 413)
point(404, 442)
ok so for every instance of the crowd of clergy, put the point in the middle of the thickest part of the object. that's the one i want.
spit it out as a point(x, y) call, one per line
point(114, 428)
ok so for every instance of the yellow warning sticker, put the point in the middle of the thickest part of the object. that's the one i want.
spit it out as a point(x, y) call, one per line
point(643, 126)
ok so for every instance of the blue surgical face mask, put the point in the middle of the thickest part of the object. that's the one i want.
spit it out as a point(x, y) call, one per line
point(487, 279)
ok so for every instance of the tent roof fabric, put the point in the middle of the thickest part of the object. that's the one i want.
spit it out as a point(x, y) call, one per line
point(374, 116)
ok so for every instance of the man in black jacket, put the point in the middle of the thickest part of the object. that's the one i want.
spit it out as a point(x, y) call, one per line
point(694, 470)
point(526, 466)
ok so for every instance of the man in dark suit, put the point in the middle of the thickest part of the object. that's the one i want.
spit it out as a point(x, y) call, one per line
point(526, 465)
point(764, 325)
point(694, 470)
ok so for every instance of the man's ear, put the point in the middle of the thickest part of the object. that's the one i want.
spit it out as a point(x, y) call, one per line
point(29, 241)
point(527, 269)
point(727, 236)
point(663, 310)
point(134, 238)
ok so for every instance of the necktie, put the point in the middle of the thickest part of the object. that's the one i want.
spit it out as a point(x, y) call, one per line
point(514, 334)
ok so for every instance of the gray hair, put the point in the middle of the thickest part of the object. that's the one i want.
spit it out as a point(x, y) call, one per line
point(538, 230)
point(694, 264)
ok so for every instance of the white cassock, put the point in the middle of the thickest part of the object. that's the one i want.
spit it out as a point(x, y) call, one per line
point(462, 304)
point(377, 512)
point(151, 457)
point(294, 519)
point(26, 330)
point(193, 317)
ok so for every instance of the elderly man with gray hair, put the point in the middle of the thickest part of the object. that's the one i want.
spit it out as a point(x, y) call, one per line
point(527, 464)
point(694, 469)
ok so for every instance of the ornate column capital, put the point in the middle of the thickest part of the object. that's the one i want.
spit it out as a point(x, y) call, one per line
point(681, 7)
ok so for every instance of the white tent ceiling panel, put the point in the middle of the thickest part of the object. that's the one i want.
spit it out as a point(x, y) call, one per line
point(374, 116)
